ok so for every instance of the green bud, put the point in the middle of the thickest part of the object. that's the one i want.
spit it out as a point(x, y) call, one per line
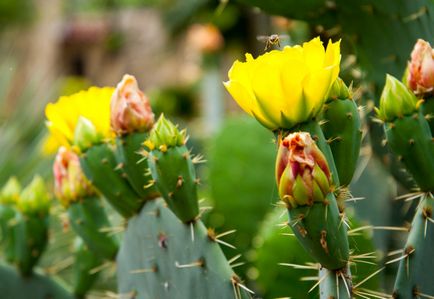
point(10, 192)
point(396, 100)
point(34, 199)
point(339, 91)
point(85, 134)
point(165, 135)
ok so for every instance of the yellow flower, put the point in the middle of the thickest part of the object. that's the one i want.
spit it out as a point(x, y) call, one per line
point(283, 88)
point(63, 116)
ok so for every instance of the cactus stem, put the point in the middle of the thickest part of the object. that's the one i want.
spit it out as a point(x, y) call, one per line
point(150, 270)
point(104, 161)
point(198, 263)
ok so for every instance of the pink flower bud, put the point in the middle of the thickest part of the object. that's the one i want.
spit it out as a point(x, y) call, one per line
point(420, 76)
point(130, 109)
point(302, 172)
point(70, 183)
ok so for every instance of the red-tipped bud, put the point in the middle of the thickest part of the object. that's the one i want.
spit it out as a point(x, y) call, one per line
point(130, 110)
point(302, 172)
point(70, 183)
point(420, 76)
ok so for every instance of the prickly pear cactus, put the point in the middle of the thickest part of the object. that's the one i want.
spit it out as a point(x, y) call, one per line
point(161, 257)
point(413, 279)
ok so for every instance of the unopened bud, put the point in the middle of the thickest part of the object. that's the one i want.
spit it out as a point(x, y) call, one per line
point(10, 192)
point(70, 183)
point(396, 100)
point(420, 77)
point(302, 173)
point(130, 110)
point(85, 134)
point(34, 199)
point(164, 135)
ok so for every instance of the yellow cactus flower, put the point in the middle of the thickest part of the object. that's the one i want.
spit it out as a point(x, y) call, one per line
point(283, 88)
point(64, 115)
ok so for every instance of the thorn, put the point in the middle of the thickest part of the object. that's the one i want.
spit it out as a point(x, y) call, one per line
point(198, 263)
point(318, 282)
point(234, 259)
point(150, 270)
point(236, 281)
point(308, 266)
point(198, 159)
point(150, 184)
point(192, 231)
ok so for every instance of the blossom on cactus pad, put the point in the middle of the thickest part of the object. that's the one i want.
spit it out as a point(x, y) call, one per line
point(130, 109)
point(165, 135)
point(396, 100)
point(92, 104)
point(70, 183)
point(283, 88)
point(302, 173)
point(420, 76)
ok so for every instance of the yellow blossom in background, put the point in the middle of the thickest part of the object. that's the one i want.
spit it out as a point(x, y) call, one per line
point(62, 116)
point(283, 88)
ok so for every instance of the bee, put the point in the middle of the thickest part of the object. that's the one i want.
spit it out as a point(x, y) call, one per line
point(271, 40)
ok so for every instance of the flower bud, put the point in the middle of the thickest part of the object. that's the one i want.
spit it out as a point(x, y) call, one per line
point(164, 135)
point(396, 100)
point(130, 109)
point(34, 199)
point(420, 77)
point(302, 172)
point(339, 91)
point(86, 134)
point(70, 183)
point(10, 192)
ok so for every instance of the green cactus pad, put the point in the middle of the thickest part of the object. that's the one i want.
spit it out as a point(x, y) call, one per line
point(335, 284)
point(322, 233)
point(342, 128)
point(133, 163)
point(88, 218)
point(414, 273)
point(7, 240)
point(159, 258)
point(37, 286)
point(31, 236)
point(175, 176)
point(410, 139)
point(84, 261)
point(101, 168)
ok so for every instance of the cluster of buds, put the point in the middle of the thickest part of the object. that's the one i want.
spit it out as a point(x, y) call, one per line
point(70, 183)
point(302, 173)
point(130, 110)
point(10, 192)
point(420, 76)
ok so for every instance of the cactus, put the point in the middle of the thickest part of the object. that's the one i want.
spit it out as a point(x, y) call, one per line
point(37, 286)
point(100, 166)
point(161, 257)
point(128, 155)
point(172, 169)
point(88, 218)
point(413, 279)
point(31, 229)
point(84, 262)
point(342, 128)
